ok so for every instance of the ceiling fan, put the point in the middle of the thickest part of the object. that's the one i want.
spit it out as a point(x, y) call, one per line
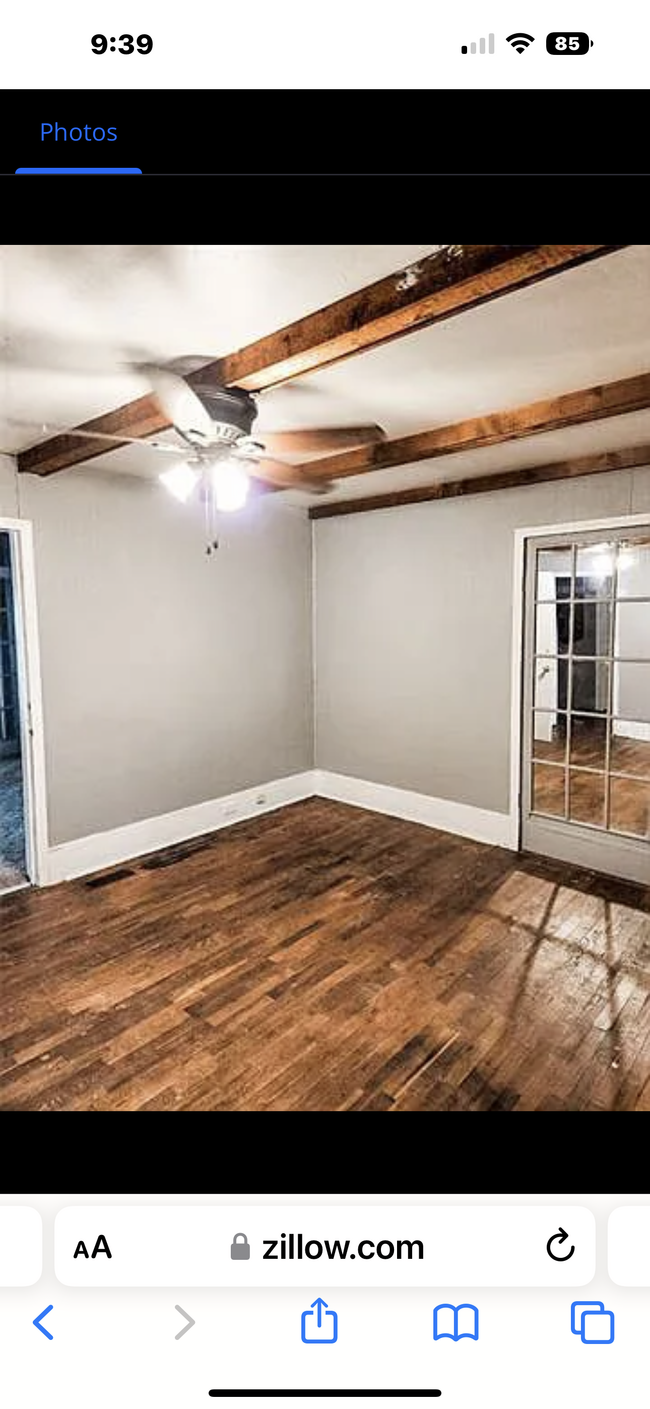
point(219, 452)
point(216, 423)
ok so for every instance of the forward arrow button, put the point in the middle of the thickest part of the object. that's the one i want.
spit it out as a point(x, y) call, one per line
point(186, 1328)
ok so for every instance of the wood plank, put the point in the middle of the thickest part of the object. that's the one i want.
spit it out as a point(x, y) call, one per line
point(571, 409)
point(327, 958)
point(451, 280)
point(602, 463)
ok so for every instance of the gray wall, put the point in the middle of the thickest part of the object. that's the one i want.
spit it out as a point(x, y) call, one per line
point(413, 633)
point(168, 678)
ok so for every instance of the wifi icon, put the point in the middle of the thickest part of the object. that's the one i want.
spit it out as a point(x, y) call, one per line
point(520, 42)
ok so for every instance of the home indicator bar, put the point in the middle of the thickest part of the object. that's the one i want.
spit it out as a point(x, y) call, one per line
point(325, 1393)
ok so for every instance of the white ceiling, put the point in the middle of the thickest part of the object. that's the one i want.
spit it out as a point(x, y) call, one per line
point(72, 317)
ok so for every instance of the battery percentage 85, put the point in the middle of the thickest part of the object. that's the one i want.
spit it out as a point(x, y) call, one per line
point(565, 43)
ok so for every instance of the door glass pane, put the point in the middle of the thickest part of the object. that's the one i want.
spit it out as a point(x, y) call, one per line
point(547, 692)
point(563, 612)
point(7, 724)
point(631, 693)
point(546, 629)
point(632, 641)
point(590, 686)
point(634, 567)
point(587, 798)
point(629, 807)
point(630, 753)
point(548, 790)
point(552, 563)
point(549, 736)
point(588, 741)
point(591, 628)
point(594, 569)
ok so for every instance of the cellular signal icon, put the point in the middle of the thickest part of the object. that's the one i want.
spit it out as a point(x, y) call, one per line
point(520, 42)
point(481, 46)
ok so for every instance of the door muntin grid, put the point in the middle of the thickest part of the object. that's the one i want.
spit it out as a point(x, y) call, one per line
point(587, 698)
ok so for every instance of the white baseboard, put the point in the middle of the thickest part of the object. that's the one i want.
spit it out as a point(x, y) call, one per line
point(628, 730)
point(94, 853)
point(492, 827)
point(104, 849)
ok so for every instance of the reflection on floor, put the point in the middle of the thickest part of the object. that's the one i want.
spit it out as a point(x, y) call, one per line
point(327, 958)
point(629, 797)
point(12, 845)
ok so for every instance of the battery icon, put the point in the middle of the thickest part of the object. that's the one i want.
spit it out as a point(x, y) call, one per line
point(564, 43)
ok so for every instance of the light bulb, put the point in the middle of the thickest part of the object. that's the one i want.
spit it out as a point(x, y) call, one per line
point(180, 481)
point(230, 483)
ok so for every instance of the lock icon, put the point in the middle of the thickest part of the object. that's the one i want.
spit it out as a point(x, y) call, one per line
point(240, 1252)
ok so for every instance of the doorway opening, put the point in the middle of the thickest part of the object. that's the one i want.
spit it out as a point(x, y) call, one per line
point(13, 870)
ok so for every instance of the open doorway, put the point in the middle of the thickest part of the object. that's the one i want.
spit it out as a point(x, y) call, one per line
point(12, 818)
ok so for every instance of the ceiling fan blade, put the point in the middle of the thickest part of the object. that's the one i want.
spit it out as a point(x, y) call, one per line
point(327, 441)
point(47, 429)
point(285, 476)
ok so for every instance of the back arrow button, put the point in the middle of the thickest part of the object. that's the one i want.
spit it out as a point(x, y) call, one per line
point(37, 1322)
point(187, 1328)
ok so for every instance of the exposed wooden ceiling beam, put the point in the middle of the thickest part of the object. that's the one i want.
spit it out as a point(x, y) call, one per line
point(452, 280)
point(597, 464)
point(572, 409)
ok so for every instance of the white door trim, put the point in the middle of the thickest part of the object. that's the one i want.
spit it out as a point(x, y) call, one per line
point(30, 695)
point(521, 535)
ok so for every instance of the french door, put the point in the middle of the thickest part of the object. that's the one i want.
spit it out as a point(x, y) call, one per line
point(586, 700)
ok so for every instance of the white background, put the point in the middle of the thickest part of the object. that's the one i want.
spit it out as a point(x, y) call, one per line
point(629, 1246)
point(118, 1348)
point(340, 44)
point(21, 1240)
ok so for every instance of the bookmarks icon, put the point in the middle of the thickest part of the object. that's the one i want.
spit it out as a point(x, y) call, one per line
point(456, 1323)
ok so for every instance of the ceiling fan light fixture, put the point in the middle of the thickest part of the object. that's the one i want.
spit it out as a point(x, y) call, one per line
point(180, 481)
point(230, 484)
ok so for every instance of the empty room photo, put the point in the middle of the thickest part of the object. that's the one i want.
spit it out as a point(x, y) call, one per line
point(325, 678)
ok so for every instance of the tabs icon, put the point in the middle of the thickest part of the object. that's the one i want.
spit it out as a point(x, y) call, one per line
point(592, 1322)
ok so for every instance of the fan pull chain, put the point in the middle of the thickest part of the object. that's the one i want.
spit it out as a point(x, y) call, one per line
point(212, 542)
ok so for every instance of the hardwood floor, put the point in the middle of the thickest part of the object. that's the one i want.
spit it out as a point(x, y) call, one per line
point(326, 958)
